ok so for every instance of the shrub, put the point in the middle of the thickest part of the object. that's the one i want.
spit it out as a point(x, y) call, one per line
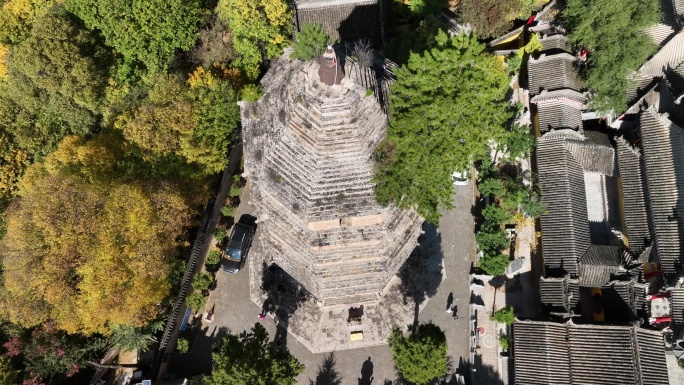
point(182, 345)
point(422, 356)
point(220, 233)
point(503, 341)
point(504, 315)
point(492, 240)
point(234, 191)
point(495, 215)
point(494, 264)
point(310, 42)
point(201, 281)
point(251, 93)
point(213, 258)
point(195, 301)
point(228, 211)
point(369, 91)
point(533, 206)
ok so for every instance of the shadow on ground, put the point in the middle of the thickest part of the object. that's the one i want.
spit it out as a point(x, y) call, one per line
point(421, 274)
point(327, 374)
point(284, 295)
point(198, 360)
point(485, 374)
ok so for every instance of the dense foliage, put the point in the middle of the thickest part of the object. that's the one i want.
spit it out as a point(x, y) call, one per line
point(609, 63)
point(492, 18)
point(421, 356)
point(426, 140)
point(505, 315)
point(310, 42)
point(145, 31)
point(250, 358)
point(260, 30)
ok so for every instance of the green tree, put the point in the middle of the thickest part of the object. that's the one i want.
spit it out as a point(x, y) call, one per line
point(422, 356)
point(495, 215)
point(148, 31)
point(251, 93)
point(55, 85)
point(518, 142)
point(494, 264)
point(195, 301)
point(202, 281)
point(533, 206)
point(182, 345)
point(505, 315)
point(492, 240)
point(421, 38)
point(609, 63)
point(213, 258)
point(227, 211)
point(491, 186)
point(260, 30)
point(128, 338)
point(310, 42)
point(503, 341)
point(426, 141)
point(250, 358)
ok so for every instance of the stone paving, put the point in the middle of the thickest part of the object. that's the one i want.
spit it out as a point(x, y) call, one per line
point(236, 312)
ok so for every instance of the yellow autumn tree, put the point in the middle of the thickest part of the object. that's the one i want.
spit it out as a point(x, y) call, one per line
point(257, 26)
point(89, 249)
point(3, 61)
point(16, 17)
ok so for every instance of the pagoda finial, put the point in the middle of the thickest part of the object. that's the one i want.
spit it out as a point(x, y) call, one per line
point(329, 70)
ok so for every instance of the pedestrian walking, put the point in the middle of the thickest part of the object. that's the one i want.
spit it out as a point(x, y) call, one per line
point(453, 311)
point(262, 316)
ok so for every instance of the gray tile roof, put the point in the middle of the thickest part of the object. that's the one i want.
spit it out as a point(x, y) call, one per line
point(619, 300)
point(344, 20)
point(557, 41)
point(553, 72)
point(559, 292)
point(565, 226)
point(598, 264)
point(555, 353)
point(559, 109)
point(633, 194)
point(669, 56)
point(594, 152)
point(678, 7)
point(677, 305)
point(669, 23)
point(662, 143)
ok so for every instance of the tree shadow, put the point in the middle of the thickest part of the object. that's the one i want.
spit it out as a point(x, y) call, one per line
point(421, 274)
point(284, 295)
point(485, 374)
point(327, 374)
point(198, 361)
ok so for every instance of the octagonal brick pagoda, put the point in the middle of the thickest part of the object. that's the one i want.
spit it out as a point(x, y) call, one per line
point(308, 154)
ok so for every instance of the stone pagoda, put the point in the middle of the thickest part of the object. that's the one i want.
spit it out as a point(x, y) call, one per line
point(308, 156)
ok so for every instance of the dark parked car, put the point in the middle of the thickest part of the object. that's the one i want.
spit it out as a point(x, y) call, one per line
point(235, 253)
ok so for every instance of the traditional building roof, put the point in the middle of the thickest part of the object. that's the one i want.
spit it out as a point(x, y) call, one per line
point(664, 165)
point(555, 42)
point(559, 109)
point(669, 23)
point(308, 153)
point(344, 20)
point(566, 353)
point(553, 72)
point(598, 265)
point(669, 56)
point(677, 306)
point(559, 292)
point(634, 195)
point(565, 226)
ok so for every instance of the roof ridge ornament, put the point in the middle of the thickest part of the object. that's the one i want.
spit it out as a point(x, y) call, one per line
point(329, 70)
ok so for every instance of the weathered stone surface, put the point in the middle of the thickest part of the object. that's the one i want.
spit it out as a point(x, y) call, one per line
point(308, 153)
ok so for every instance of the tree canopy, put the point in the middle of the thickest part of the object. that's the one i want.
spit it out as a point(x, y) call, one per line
point(145, 31)
point(422, 356)
point(87, 249)
point(17, 17)
point(609, 63)
point(446, 106)
point(310, 42)
point(196, 122)
point(491, 18)
point(260, 30)
point(251, 359)
point(55, 84)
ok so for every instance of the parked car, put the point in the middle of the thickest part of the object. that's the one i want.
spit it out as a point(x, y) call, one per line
point(235, 252)
point(460, 178)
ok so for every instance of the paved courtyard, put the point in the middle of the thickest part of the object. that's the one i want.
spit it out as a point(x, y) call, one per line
point(235, 311)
